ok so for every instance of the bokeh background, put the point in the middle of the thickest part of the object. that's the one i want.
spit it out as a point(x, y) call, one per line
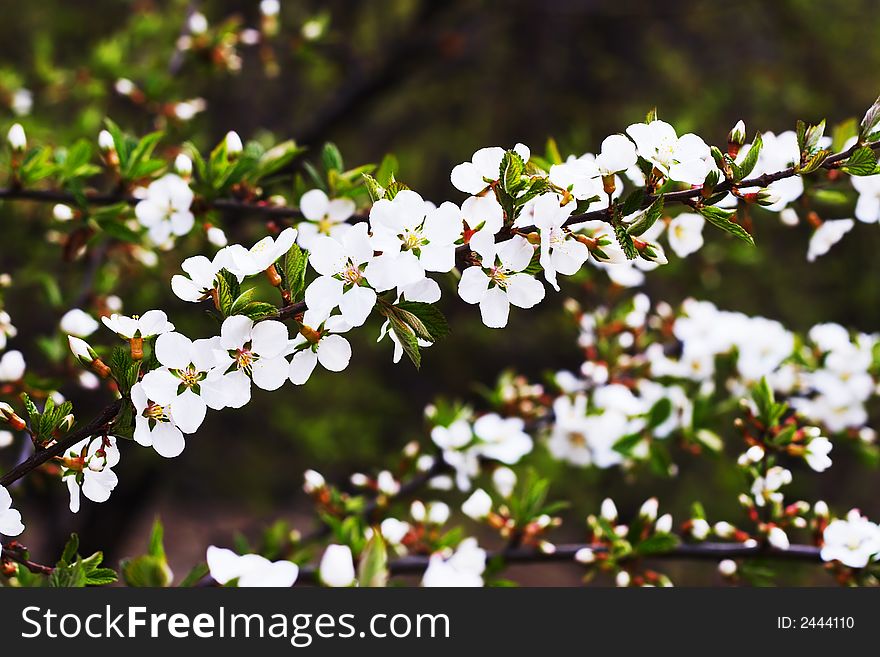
point(429, 81)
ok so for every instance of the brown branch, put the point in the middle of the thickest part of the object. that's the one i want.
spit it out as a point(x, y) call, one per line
point(15, 551)
point(416, 564)
point(97, 426)
point(831, 162)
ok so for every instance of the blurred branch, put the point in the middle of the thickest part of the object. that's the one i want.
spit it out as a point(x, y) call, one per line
point(416, 564)
point(98, 426)
point(15, 551)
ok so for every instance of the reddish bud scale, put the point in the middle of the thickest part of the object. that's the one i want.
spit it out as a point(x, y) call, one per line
point(733, 149)
point(16, 422)
point(137, 348)
point(100, 368)
point(273, 276)
point(814, 219)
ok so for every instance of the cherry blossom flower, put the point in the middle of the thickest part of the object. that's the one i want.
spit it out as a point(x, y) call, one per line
point(854, 542)
point(817, 454)
point(18, 139)
point(337, 566)
point(201, 274)
point(188, 384)
point(462, 568)
point(413, 239)
point(685, 233)
point(12, 366)
point(777, 153)
point(868, 205)
point(79, 323)
point(10, 519)
point(323, 216)
point(478, 505)
point(683, 159)
point(827, 235)
point(7, 330)
point(618, 154)
point(499, 285)
point(166, 209)
point(323, 345)
point(154, 425)
point(485, 217)
point(778, 538)
point(250, 570)
point(502, 439)
point(342, 281)
point(93, 477)
point(249, 352)
point(261, 255)
point(560, 253)
point(148, 325)
point(484, 168)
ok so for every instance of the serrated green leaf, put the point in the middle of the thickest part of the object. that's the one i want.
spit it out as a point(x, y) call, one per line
point(429, 316)
point(647, 219)
point(511, 171)
point(258, 310)
point(295, 261)
point(407, 338)
point(376, 190)
point(721, 219)
point(863, 162)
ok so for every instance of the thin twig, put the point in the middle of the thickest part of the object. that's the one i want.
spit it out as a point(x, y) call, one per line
point(97, 426)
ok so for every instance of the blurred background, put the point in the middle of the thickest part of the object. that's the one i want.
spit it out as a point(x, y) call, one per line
point(430, 82)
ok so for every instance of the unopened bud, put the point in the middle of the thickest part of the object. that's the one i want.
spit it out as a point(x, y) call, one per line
point(699, 529)
point(16, 138)
point(313, 481)
point(736, 138)
point(105, 141)
point(62, 212)
point(608, 184)
point(778, 538)
point(233, 145)
point(727, 568)
point(623, 579)
point(766, 197)
point(664, 524)
point(8, 414)
point(724, 529)
point(649, 509)
point(183, 165)
point(585, 555)
point(608, 510)
point(820, 508)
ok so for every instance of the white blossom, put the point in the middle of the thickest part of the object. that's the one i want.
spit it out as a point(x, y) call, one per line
point(502, 439)
point(166, 209)
point(79, 323)
point(250, 570)
point(10, 519)
point(154, 425)
point(471, 177)
point(478, 505)
point(462, 568)
point(337, 566)
point(827, 235)
point(323, 216)
point(560, 252)
point(148, 325)
point(685, 233)
point(329, 348)
point(96, 480)
point(854, 542)
point(261, 255)
point(497, 286)
point(12, 366)
point(251, 352)
point(683, 159)
point(342, 282)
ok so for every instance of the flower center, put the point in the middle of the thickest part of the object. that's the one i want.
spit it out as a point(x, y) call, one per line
point(577, 439)
point(412, 240)
point(190, 377)
point(498, 276)
point(324, 225)
point(155, 412)
point(244, 358)
point(351, 274)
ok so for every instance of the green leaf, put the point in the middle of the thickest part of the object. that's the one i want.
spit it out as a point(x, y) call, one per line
point(373, 567)
point(387, 170)
point(193, 577)
point(813, 162)
point(634, 201)
point(741, 171)
point(70, 550)
point(32, 411)
point(648, 219)
point(863, 162)
point(294, 269)
point(659, 412)
point(258, 310)
point(868, 126)
point(146, 571)
point(393, 188)
point(331, 158)
point(376, 190)
point(843, 132)
point(408, 339)
point(511, 172)
point(657, 544)
point(430, 317)
point(227, 291)
point(68, 576)
point(625, 241)
point(721, 219)
point(157, 547)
